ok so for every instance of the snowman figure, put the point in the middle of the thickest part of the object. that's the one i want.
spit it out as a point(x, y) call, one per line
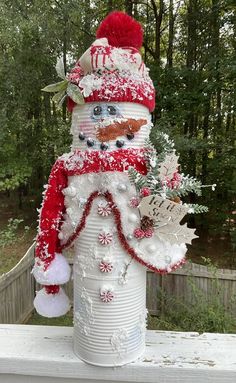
point(90, 203)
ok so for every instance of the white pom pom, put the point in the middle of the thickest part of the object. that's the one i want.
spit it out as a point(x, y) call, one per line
point(51, 305)
point(57, 273)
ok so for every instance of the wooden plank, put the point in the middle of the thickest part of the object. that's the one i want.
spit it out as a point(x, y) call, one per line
point(41, 351)
point(17, 290)
point(21, 266)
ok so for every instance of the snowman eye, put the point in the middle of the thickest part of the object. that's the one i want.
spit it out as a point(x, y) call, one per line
point(111, 110)
point(97, 111)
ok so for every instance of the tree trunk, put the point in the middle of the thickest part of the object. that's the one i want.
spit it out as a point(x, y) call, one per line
point(205, 138)
point(216, 56)
point(158, 21)
point(109, 6)
point(64, 52)
point(191, 118)
point(171, 36)
point(129, 7)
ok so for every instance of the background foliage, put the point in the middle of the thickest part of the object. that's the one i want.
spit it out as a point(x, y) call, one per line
point(190, 47)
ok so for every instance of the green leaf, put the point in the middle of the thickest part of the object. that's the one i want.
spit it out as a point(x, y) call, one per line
point(58, 96)
point(75, 94)
point(57, 87)
point(60, 68)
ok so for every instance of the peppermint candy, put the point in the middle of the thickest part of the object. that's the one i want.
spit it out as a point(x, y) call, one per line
point(105, 267)
point(106, 296)
point(104, 210)
point(134, 202)
point(105, 238)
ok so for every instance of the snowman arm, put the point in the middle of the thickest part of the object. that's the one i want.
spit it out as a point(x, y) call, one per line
point(51, 267)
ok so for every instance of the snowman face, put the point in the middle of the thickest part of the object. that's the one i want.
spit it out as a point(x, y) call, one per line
point(110, 126)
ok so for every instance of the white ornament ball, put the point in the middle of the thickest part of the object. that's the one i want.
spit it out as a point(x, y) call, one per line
point(152, 248)
point(132, 218)
point(122, 187)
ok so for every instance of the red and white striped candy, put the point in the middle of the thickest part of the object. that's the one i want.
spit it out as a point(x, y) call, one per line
point(105, 267)
point(105, 238)
point(104, 210)
point(106, 296)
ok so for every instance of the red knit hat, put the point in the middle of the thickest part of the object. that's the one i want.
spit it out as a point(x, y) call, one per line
point(112, 70)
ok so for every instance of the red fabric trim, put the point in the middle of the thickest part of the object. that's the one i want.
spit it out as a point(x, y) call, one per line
point(79, 162)
point(121, 236)
point(51, 215)
point(95, 161)
point(52, 289)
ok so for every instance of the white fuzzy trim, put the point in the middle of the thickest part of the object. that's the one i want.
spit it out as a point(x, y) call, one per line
point(57, 273)
point(51, 305)
point(162, 255)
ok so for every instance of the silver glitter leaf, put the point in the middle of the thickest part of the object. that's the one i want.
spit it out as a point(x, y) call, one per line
point(168, 167)
point(176, 234)
point(57, 87)
point(59, 96)
point(60, 68)
point(75, 94)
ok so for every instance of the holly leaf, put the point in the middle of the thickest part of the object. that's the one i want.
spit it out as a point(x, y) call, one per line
point(57, 87)
point(168, 167)
point(176, 234)
point(60, 68)
point(75, 94)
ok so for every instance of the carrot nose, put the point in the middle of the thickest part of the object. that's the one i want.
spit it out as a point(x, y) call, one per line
point(112, 131)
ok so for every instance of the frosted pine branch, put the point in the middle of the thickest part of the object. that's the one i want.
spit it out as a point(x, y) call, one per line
point(136, 178)
point(196, 209)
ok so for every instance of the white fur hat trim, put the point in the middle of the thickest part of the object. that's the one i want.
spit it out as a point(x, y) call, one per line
point(57, 273)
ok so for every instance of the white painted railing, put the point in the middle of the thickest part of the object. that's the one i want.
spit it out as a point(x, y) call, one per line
point(41, 354)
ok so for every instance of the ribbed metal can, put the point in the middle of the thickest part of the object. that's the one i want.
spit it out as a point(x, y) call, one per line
point(109, 307)
point(109, 286)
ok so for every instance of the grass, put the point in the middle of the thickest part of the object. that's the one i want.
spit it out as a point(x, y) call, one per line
point(17, 231)
point(12, 252)
point(65, 320)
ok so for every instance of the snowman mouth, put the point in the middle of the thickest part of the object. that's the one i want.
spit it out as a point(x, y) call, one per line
point(119, 128)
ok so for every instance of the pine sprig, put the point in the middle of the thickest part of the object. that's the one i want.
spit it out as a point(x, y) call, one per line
point(136, 178)
point(165, 144)
point(189, 185)
point(196, 209)
point(166, 158)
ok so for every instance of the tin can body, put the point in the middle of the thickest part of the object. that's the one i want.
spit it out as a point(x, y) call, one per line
point(109, 297)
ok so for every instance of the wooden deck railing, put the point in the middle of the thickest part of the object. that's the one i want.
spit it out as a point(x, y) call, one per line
point(41, 354)
point(17, 290)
